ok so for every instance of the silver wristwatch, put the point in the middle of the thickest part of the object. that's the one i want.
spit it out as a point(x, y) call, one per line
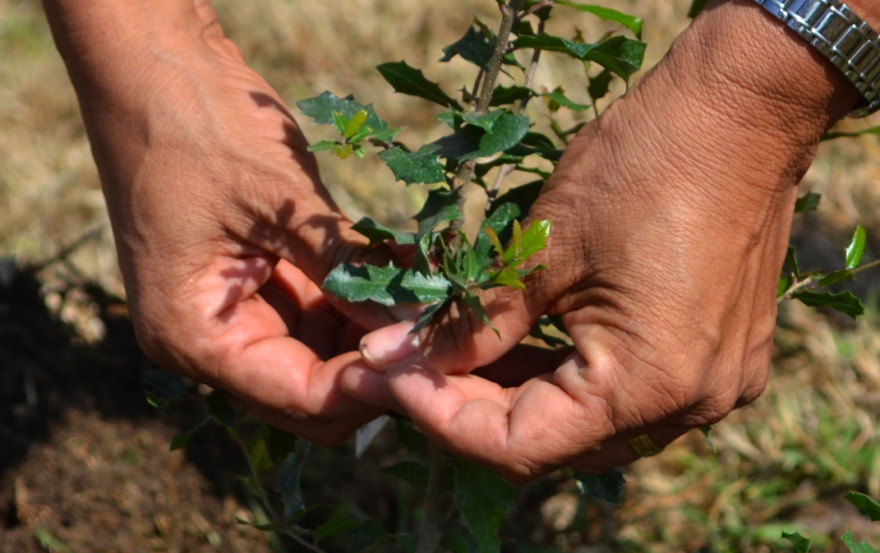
point(842, 37)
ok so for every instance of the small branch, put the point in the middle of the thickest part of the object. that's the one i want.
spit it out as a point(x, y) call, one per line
point(432, 520)
point(303, 542)
point(537, 7)
point(866, 267)
point(487, 87)
point(809, 281)
point(505, 170)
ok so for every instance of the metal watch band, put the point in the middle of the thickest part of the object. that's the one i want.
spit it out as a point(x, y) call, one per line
point(842, 37)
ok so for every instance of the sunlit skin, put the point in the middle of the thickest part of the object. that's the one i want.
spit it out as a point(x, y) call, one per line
point(670, 217)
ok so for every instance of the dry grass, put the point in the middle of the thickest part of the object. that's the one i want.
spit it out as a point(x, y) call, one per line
point(781, 463)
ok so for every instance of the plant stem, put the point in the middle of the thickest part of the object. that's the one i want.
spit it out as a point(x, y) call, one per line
point(487, 87)
point(506, 169)
point(432, 519)
point(809, 281)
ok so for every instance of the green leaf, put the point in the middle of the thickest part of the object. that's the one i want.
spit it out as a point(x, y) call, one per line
point(440, 207)
point(421, 167)
point(607, 487)
point(697, 8)
point(791, 259)
point(387, 285)
point(164, 389)
point(618, 54)
point(369, 536)
point(323, 145)
point(801, 544)
point(534, 239)
point(499, 222)
point(484, 498)
point(324, 107)
point(856, 248)
point(538, 332)
point(180, 441)
point(837, 276)
point(785, 282)
point(288, 485)
point(856, 547)
point(220, 410)
point(632, 23)
point(280, 443)
point(377, 232)
point(340, 121)
point(459, 540)
point(507, 277)
point(865, 504)
point(807, 203)
point(472, 301)
point(428, 315)
point(341, 522)
point(261, 527)
point(452, 118)
point(558, 98)
point(409, 80)
point(409, 436)
point(522, 27)
point(355, 123)
point(833, 135)
point(706, 430)
point(485, 121)
point(521, 196)
point(600, 84)
point(412, 472)
point(845, 302)
point(510, 94)
point(507, 131)
point(474, 47)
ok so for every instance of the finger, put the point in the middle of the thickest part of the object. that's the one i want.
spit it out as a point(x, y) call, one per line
point(246, 351)
point(457, 341)
point(515, 368)
point(522, 432)
point(522, 363)
point(618, 452)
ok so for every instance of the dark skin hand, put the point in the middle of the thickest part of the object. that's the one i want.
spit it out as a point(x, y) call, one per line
point(221, 221)
point(671, 215)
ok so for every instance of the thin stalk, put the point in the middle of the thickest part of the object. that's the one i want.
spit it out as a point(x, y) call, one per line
point(432, 520)
point(487, 87)
point(505, 170)
point(809, 281)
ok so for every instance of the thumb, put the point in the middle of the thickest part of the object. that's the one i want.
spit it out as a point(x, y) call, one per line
point(457, 340)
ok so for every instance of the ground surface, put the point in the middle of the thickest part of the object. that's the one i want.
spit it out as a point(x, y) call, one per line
point(83, 459)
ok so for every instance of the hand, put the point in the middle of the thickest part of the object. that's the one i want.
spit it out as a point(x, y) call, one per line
point(209, 184)
point(671, 216)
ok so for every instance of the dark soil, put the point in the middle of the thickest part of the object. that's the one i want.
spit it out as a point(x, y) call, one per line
point(84, 461)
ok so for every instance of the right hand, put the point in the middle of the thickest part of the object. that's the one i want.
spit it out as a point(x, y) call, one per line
point(671, 216)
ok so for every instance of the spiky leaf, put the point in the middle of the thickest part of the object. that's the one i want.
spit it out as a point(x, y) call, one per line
point(854, 547)
point(321, 108)
point(509, 94)
point(558, 99)
point(866, 504)
point(420, 167)
point(809, 202)
point(607, 487)
point(474, 47)
point(387, 285)
point(484, 498)
point(409, 80)
point(800, 543)
point(632, 23)
point(377, 232)
point(618, 54)
point(845, 302)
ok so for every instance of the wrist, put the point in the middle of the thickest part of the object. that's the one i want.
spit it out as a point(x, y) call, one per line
point(739, 98)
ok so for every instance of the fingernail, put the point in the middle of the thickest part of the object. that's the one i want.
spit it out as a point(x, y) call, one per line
point(389, 345)
point(406, 311)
